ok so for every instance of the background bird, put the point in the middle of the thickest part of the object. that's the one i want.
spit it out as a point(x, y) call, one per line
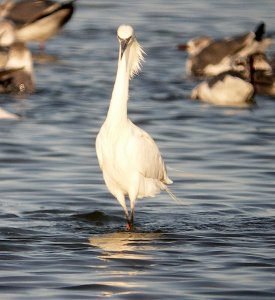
point(261, 74)
point(208, 57)
point(229, 88)
point(129, 158)
point(17, 76)
point(16, 64)
point(39, 20)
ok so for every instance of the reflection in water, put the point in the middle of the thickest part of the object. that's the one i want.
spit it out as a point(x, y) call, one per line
point(126, 245)
point(128, 248)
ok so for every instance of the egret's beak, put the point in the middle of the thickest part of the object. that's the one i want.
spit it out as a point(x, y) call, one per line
point(124, 44)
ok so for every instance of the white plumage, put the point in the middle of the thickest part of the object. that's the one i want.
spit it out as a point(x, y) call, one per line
point(226, 89)
point(129, 158)
point(39, 20)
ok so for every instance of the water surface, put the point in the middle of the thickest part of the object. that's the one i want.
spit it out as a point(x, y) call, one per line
point(62, 235)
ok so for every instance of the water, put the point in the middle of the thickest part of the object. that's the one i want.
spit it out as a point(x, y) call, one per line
point(63, 235)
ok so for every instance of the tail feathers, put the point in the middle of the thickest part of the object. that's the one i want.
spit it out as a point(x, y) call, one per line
point(150, 187)
point(174, 198)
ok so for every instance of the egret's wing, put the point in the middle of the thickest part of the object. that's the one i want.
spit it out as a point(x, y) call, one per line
point(144, 154)
point(99, 149)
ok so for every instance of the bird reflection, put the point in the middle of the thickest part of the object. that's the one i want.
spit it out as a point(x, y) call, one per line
point(126, 245)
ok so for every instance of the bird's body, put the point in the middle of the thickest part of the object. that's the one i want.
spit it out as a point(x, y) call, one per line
point(211, 57)
point(264, 83)
point(129, 158)
point(16, 64)
point(7, 33)
point(39, 20)
point(16, 75)
point(226, 89)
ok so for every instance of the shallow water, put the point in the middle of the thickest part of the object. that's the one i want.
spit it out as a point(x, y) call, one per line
point(62, 235)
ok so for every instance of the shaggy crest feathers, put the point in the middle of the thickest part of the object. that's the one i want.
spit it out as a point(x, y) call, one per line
point(136, 53)
point(137, 57)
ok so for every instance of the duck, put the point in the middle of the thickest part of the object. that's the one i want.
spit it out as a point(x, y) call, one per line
point(8, 33)
point(37, 20)
point(16, 64)
point(17, 76)
point(229, 88)
point(212, 57)
point(264, 83)
point(249, 76)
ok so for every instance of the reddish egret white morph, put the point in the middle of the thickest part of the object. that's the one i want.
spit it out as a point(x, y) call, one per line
point(128, 157)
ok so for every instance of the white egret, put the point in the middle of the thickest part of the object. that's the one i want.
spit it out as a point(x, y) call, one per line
point(128, 157)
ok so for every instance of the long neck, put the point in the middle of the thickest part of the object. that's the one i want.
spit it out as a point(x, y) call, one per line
point(118, 105)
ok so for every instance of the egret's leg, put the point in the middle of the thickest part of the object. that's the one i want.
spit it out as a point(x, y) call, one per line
point(132, 218)
point(122, 202)
point(132, 197)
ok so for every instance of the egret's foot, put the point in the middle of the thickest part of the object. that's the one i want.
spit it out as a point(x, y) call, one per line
point(129, 226)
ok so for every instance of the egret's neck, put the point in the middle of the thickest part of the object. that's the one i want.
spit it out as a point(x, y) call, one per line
point(117, 112)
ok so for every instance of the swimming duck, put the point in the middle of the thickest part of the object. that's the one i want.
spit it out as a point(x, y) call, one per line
point(228, 88)
point(16, 65)
point(37, 20)
point(16, 76)
point(208, 57)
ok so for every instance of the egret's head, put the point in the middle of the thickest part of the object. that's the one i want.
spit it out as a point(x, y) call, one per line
point(125, 35)
point(125, 32)
point(130, 48)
